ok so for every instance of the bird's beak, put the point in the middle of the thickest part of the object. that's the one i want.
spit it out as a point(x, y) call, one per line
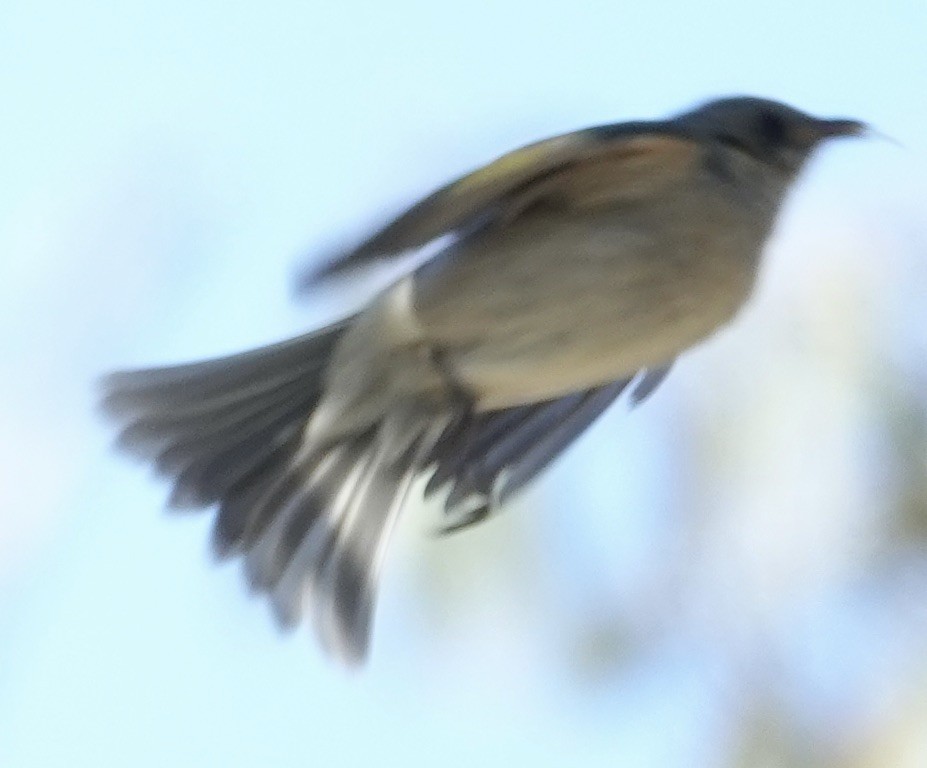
point(831, 129)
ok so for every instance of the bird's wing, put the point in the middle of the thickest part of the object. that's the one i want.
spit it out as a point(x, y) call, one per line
point(630, 150)
point(485, 458)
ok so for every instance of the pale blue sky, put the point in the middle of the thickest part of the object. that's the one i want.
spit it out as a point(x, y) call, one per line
point(166, 166)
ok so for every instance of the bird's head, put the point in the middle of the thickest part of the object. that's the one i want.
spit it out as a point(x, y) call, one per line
point(769, 131)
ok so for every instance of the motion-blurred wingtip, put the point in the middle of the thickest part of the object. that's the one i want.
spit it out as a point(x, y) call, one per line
point(317, 275)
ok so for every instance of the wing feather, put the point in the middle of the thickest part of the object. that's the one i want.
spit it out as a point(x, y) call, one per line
point(586, 164)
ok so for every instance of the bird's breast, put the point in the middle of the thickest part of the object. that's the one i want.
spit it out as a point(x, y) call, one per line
point(560, 303)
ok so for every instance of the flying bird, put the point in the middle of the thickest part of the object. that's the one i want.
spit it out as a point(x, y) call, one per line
point(571, 270)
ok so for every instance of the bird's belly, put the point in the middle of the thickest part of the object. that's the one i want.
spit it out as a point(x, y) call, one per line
point(522, 320)
point(531, 366)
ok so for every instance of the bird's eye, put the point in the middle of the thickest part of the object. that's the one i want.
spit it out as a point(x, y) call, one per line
point(772, 128)
point(759, 135)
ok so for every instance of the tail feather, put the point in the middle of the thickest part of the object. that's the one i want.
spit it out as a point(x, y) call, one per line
point(277, 546)
point(235, 377)
point(312, 517)
point(300, 574)
point(310, 520)
point(249, 505)
point(219, 478)
point(207, 478)
point(349, 575)
point(216, 426)
point(213, 420)
point(207, 413)
point(251, 426)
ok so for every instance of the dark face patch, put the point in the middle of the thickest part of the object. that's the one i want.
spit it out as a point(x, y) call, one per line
point(769, 131)
point(772, 128)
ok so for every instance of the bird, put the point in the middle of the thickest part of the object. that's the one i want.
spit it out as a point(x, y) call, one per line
point(567, 272)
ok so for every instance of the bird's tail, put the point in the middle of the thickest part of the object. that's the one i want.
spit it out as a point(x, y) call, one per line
point(309, 521)
point(312, 515)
